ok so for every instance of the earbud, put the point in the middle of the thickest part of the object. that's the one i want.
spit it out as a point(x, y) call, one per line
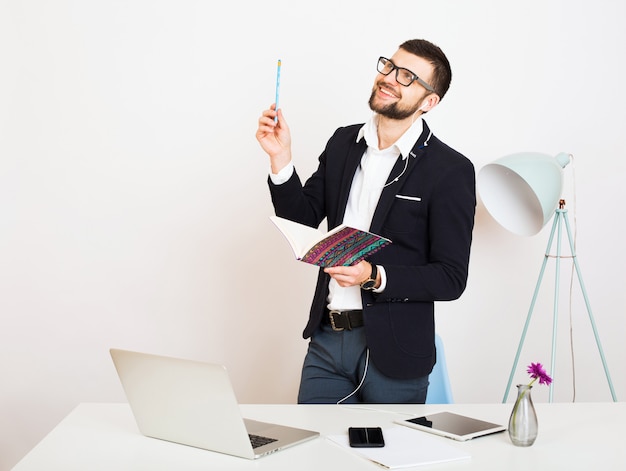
point(424, 106)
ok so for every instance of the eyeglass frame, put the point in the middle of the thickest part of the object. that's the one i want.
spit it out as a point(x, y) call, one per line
point(397, 69)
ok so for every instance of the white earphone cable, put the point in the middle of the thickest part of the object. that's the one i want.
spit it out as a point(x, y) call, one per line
point(367, 360)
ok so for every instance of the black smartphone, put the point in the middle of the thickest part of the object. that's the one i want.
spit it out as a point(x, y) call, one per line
point(363, 437)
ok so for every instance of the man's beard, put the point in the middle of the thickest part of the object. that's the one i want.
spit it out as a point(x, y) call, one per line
point(393, 110)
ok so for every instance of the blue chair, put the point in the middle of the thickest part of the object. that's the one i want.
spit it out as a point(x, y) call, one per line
point(439, 391)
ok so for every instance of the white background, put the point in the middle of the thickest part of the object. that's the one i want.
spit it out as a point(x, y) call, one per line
point(134, 207)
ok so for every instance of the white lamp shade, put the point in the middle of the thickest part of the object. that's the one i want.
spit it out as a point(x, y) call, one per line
point(522, 191)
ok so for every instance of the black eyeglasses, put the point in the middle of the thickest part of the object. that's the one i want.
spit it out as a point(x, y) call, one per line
point(403, 76)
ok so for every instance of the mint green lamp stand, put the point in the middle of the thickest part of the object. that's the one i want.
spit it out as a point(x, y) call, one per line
point(559, 218)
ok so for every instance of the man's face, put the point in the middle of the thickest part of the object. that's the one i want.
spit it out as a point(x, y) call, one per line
point(395, 101)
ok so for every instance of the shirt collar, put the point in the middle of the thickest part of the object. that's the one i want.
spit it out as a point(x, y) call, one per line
point(404, 144)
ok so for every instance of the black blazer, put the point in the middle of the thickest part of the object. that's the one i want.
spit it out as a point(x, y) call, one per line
point(428, 214)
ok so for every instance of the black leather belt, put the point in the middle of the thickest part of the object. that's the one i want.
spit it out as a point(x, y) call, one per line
point(344, 320)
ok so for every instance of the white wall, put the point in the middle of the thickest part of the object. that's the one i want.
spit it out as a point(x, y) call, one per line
point(133, 202)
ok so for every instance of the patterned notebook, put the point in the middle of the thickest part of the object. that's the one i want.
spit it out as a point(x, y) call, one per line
point(343, 245)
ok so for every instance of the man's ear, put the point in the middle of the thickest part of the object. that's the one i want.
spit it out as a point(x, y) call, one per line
point(430, 102)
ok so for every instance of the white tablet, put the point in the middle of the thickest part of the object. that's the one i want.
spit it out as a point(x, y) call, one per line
point(450, 425)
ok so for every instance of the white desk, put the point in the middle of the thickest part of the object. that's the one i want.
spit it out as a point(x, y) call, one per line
point(104, 437)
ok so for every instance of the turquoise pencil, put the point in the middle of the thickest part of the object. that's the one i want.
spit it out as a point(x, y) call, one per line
point(277, 86)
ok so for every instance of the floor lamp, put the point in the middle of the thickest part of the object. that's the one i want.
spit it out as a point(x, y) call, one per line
point(523, 192)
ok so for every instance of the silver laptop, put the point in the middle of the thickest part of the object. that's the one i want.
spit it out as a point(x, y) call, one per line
point(193, 403)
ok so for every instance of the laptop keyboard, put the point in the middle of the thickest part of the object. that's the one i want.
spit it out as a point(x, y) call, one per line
point(258, 440)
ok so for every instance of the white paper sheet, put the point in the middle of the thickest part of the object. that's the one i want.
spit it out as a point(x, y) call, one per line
point(405, 447)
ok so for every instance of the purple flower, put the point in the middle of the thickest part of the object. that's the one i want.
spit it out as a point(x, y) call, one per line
point(536, 371)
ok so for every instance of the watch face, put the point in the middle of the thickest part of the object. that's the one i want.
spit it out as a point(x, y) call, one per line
point(368, 284)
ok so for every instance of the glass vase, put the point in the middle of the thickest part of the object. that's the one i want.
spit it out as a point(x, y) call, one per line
point(523, 425)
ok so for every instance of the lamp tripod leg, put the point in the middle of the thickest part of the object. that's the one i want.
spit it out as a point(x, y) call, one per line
point(530, 312)
point(555, 308)
point(588, 306)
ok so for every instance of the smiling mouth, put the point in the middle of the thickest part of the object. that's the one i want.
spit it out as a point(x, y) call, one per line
point(387, 92)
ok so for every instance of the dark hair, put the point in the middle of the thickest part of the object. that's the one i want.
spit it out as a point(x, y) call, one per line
point(442, 73)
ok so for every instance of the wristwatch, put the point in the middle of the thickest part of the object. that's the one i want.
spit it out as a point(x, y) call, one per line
point(370, 283)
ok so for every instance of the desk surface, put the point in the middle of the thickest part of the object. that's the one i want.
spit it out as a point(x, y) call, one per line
point(105, 437)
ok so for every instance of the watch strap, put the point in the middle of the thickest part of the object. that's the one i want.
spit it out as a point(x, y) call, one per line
point(370, 283)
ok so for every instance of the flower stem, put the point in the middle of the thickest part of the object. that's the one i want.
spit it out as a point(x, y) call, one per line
point(517, 401)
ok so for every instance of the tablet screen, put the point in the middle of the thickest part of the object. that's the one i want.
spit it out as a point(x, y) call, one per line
point(452, 425)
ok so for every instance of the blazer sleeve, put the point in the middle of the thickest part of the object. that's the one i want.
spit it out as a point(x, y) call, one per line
point(324, 193)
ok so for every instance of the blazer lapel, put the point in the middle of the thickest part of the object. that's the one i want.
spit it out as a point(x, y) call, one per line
point(399, 175)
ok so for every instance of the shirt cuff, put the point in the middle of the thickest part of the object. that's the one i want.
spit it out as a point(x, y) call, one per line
point(283, 175)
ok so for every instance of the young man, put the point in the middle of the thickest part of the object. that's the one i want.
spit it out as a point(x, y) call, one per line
point(371, 326)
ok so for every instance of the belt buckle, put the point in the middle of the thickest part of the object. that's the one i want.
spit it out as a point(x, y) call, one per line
point(331, 314)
